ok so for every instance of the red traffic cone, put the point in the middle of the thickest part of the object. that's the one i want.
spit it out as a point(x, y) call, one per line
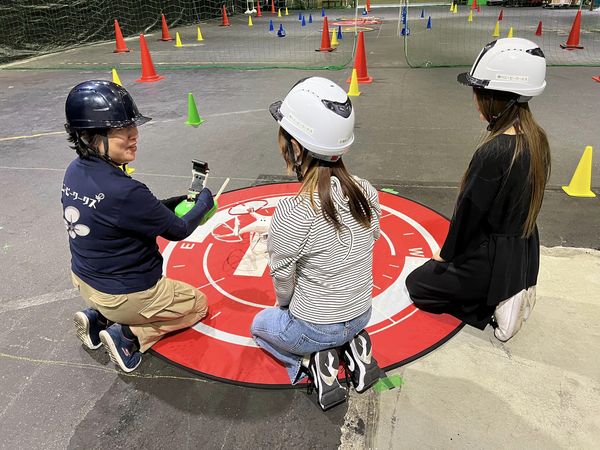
point(538, 32)
point(478, 8)
point(573, 41)
point(325, 41)
point(360, 61)
point(148, 73)
point(368, 6)
point(258, 11)
point(501, 15)
point(121, 47)
point(165, 30)
point(225, 22)
point(273, 7)
point(474, 4)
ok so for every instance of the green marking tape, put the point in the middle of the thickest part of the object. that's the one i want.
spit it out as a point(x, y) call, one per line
point(389, 190)
point(387, 383)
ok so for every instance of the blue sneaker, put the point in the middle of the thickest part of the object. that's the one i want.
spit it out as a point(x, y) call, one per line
point(88, 327)
point(121, 350)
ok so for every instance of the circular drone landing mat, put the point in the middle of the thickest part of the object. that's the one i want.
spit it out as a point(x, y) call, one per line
point(226, 259)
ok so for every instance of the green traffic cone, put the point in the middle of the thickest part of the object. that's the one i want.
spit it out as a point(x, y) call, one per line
point(194, 118)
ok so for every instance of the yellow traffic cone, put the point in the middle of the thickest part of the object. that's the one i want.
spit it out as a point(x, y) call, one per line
point(580, 185)
point(279, 12)
point(452, 7)
point(286, 11)
point(115, 77)
point(334, 39)
point(510, 33)
point(178, 40)
point(455, 8)
point(353, 91)
point(200, 38)
point(470, 19)
point(496, 30)
point(250, 24)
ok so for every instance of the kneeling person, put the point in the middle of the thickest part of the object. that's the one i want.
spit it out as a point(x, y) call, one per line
point(113, 222)
point(320, 247)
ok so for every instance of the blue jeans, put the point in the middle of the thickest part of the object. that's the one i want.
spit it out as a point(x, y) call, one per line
point(288, 339)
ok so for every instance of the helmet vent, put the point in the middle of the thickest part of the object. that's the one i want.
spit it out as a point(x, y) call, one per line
point(341, 109)
point(536, 52)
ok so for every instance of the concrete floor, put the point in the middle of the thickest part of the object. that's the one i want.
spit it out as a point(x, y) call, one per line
point(416, 131)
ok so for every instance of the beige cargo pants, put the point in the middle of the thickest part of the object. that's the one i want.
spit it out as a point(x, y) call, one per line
point(168, 306)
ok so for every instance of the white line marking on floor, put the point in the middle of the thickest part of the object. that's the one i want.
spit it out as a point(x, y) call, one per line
point(209, 283)
point(49, 133)
point(23, 303)
point(216, 315)
point(178, 266)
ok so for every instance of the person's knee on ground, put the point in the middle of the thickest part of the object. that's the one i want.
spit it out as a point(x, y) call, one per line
point(200, 308)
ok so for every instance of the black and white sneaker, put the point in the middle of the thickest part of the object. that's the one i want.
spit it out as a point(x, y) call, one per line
point(361, 366)
point(324, 367)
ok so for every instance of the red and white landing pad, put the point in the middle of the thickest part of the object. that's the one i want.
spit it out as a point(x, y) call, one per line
point(226, 259)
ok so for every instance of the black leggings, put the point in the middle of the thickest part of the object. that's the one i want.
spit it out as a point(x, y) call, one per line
point(458, 290)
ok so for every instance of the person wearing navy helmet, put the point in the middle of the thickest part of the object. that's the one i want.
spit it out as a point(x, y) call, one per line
point(486, 271)
point(112, 222)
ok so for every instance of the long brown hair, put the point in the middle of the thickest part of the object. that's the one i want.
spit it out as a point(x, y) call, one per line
point(502, 111)
point(317, 178)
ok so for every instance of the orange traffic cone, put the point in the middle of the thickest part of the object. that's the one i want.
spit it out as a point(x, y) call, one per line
point(225, 22)
point(368, 6)
point(325, 41)
point(258, 11)
point(474, 4)
point(538, 32)
point(148, 73)
point(360, 61)
point(273, 7)
point(121, 47)
point(596, 78)
point(573, 40)
point(166, 36)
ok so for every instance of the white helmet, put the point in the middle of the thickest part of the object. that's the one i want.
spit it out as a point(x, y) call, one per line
point(511, 65)
point(319, 115)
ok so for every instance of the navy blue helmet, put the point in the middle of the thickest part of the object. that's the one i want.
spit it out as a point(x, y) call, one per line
point(100, 104)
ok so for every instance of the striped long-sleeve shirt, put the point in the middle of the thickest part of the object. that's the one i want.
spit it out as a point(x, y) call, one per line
point(322, 274)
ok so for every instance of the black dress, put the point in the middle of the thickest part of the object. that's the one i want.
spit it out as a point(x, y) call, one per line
point(487, 260)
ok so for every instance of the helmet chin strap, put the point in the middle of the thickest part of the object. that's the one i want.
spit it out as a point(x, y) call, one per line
point(297, 163)
point(495, 118)
point(105, 156)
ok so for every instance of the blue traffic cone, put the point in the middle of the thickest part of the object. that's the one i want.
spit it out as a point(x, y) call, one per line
point(339, 34)
point(300, 15)
point(405, 31)
point(303, 21)
point(323, 12)
point(271, 27)
point(281, 31)
point(310, 18)
point(429, 23)
point(422, 14)
point(364, 12)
